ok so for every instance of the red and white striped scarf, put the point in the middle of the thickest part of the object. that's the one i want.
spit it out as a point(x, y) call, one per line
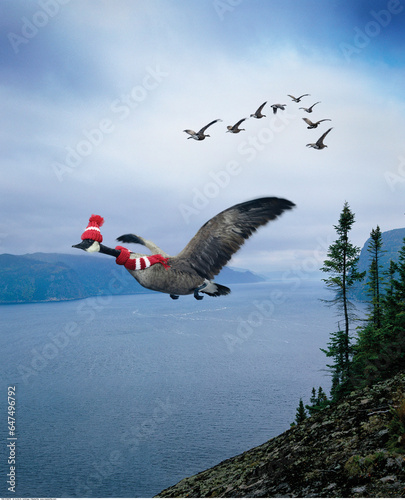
point(139, 263)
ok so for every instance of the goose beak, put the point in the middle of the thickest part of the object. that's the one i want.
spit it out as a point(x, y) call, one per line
point(88, 246)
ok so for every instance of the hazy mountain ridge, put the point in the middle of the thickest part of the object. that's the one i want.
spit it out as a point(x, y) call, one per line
point(44, 277)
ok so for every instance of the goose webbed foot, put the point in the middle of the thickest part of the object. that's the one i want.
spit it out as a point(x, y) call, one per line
point(174, 297)
point(196, 294)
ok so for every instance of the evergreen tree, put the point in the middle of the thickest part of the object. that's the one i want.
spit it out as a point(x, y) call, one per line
point(318, 401)
point(380, 350)
point(374, 283)
point(301, 414)
point(389, 303)
point(398, 309)
point(341, 263)
point(312, 399)
point(322, 398)
point(399, 284)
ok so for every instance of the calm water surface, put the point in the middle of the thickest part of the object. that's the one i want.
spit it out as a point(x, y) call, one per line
point(124, 396)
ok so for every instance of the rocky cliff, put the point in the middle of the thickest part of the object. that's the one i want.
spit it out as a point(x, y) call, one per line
point(351, 449)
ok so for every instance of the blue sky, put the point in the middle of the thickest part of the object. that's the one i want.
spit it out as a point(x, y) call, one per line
point(96, 95)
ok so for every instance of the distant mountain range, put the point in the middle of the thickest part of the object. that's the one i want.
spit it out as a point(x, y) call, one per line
point(45, 277)
point(393, 241)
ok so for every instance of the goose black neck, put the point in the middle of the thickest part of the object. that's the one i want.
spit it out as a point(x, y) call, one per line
point(109, 251)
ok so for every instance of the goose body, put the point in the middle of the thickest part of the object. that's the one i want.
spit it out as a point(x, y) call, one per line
point(297, 99)
point(200, 135)
point(234, 129)
point(191, 271)
point(278, 106)
point(319, 143)
point(309, 110)
point(314, 124)
point(258, 113)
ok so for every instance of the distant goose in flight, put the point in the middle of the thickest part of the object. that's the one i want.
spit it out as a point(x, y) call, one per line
point(319, 143)
point(200, 136)
point(297, 99)
point(191, 271)
point(278, 106)
point(258, 112)
point(309, 110)
point(315, 124)
point(234, 129)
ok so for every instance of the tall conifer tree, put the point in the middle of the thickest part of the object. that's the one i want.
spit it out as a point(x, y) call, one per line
point(374, 283)
point(341, 264)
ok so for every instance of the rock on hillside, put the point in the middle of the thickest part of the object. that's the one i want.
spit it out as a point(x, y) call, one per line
point(344, 451)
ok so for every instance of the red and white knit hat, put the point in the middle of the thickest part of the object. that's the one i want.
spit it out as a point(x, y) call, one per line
point(92, 231)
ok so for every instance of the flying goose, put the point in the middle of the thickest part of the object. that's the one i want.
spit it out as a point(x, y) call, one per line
point(315, 124)
point(319, 143)
point(258, 112)
point(234, 129)
point(200, 136)
point(191, 271)
point(297, 99)
point(278, 106)
point(309, 110)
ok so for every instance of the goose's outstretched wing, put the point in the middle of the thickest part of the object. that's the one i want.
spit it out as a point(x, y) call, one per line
point(238, 123)
point(260, 108)
point(209, 125)
point(319, 142)
point(308, 121)
point(190, 132)
point(219, 238)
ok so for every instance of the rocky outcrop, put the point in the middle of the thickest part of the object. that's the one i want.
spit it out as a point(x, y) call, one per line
point(351, 449)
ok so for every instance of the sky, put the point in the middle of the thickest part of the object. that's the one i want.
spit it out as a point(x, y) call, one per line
point(96, 95)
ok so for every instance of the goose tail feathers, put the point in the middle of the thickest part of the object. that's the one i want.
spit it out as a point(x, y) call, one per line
point(215, 290)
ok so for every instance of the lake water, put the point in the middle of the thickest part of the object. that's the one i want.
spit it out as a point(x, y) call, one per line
point(124, 396)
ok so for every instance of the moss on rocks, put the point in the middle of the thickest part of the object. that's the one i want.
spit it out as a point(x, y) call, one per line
point(343, 451)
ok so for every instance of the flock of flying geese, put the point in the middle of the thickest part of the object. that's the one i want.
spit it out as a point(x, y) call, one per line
point(235, 129)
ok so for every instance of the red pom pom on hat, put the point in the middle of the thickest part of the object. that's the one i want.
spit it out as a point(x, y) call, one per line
point(92, 231)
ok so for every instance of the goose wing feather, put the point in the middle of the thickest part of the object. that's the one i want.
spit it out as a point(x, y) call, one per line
point(320, 140)
point(219, 238)
point(259, 109)
point(238, 123)
point(308, 121)
point(209, 125)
